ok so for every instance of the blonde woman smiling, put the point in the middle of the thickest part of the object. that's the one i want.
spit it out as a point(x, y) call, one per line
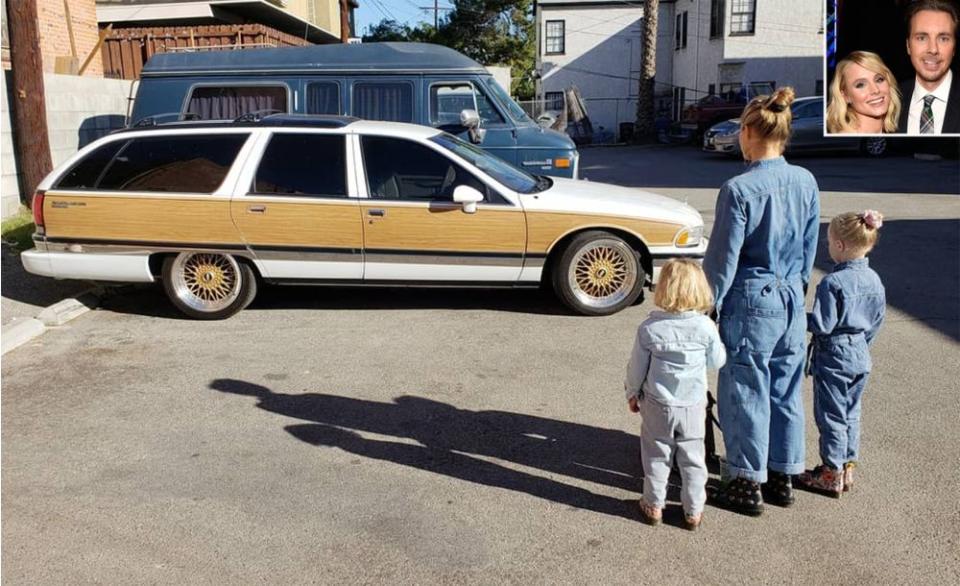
point(864, 97)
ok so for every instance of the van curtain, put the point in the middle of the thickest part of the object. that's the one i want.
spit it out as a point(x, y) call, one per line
point(228, 103)
point(382, 101)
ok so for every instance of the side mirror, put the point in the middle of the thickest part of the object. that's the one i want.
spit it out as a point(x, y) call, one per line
point(468, 196)
point(471, 120)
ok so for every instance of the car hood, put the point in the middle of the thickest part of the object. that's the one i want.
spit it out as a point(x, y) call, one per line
point(543, 138)
point(588, 197)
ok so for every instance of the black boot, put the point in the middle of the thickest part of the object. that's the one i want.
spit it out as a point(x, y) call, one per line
point(741, 496)
point(778, 489)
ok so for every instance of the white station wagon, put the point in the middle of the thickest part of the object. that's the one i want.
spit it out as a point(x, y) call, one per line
point(211, 209)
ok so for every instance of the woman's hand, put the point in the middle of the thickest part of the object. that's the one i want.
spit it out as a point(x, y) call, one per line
point(632, 405)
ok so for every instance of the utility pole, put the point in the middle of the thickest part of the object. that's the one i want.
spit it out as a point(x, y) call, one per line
point(32, 144)
point(436, 12)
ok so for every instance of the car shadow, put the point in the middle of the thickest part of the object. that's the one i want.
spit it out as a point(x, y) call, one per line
point(462, 444)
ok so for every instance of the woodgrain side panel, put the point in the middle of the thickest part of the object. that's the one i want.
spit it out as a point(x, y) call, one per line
point(309, 223)
point(141, 218)
point(444, 227)
point(545, 228)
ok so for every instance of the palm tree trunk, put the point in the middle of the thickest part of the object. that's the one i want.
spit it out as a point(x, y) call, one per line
point(645, 130)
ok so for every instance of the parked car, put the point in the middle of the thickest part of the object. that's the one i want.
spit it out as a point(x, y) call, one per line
point(400, 82)
point(807, 134)
point(211, 209)
point(710, 110)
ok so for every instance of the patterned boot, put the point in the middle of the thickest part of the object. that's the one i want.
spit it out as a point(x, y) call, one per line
point(823, 479)
point(650, 514)
point(740, 495)
point(778, 489)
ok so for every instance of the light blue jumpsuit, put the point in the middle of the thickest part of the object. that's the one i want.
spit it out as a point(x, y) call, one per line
point(847, 313)
point(758, 262)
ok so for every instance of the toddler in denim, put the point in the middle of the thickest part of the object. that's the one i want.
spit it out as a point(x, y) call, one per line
point(667, 384)
point(847, 313)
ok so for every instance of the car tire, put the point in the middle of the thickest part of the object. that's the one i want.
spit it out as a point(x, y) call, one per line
point(208, 285)
point(875, 146)
point(598, 273)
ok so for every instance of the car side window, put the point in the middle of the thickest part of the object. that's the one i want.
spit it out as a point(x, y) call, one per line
point(447, 100)
point(183, 163)
point(85, 173)
point(303, 164)
point(389, 101)
point(404, 170)
point(229, 103)
point(808, 110)
point(323, 97)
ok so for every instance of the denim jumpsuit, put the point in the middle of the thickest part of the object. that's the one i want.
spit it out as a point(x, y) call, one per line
point(758, 262)
point(848, 310)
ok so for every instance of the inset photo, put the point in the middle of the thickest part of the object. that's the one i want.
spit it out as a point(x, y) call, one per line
point(891, 67)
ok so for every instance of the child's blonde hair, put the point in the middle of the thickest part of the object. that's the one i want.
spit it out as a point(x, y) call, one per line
point(683, 287)
point(859, 230)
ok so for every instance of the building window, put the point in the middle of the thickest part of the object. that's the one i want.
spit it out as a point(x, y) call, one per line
point(819, 88)
point(743, 17)
point(681, 32)
point(555, 37)
point(679, 97)
point(553, 100)
point(711, 89)
point(716, 18)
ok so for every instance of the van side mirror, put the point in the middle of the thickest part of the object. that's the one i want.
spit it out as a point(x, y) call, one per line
point(468, 197)
point(471, 120)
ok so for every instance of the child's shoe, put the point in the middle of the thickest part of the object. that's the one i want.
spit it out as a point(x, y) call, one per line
point(740, 495)
point(823, 479)
point(778, 489)
point(650, 514)
point(692, 522)
point(848, 476)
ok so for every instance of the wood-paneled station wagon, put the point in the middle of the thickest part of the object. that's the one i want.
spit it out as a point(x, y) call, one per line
point(211, 209)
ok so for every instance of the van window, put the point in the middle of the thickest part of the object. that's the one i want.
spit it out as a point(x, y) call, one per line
point(402, 169)
point(85, 173)
point(323, 97)
point(448, 100)
point(303, 164)
point(228, 103)
point(183, 163)
point(383, 101)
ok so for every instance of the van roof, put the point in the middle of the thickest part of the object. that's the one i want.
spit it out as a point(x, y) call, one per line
point(337, 58)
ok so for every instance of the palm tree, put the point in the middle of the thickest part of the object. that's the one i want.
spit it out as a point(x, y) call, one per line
point(645, 129)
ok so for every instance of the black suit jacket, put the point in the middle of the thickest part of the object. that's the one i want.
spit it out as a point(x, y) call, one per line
point(951, 122)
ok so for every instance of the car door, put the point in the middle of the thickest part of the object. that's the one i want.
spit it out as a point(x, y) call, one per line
point(413, 230)
point(807, 125)
point(446, 99)
point(296, 214)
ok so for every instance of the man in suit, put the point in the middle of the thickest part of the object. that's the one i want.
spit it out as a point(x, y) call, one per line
point(932, 97)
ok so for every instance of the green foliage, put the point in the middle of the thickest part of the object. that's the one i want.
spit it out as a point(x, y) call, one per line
point(492, 32)
point(17, 231)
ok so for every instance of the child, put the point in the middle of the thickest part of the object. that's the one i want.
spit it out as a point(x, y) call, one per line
point(847, 312)
point(667, 384)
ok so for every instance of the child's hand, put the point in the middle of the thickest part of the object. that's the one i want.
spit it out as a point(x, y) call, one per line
point(632, 405)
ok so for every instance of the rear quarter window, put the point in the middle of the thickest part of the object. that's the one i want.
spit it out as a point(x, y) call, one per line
point(87, 171)
point(183, 163)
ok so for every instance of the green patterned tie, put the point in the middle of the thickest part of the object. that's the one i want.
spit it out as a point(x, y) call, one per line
point(926, 116)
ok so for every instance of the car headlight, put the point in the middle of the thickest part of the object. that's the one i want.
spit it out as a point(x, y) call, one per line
point(689, 236)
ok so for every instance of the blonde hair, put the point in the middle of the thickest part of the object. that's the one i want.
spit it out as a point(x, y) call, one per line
point(840, 116)
point(683, 287)
point(769, 117)
point(859, 230)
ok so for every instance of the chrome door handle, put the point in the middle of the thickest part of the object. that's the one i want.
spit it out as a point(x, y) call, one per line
point(257, 209)
point(377, 212)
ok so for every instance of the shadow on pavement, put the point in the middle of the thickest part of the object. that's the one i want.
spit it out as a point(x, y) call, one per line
point(917, 260)
point(28, 291)
point(450, 439)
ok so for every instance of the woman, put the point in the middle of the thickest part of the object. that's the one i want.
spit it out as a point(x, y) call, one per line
point(864, 97)
point(758, 262)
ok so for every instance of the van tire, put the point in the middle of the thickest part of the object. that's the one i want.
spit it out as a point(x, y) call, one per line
point(208, 285)
point(598, 273)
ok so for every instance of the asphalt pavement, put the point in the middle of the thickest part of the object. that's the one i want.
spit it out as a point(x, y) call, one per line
point(455, 436)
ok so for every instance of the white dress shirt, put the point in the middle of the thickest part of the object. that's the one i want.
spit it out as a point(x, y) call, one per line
point(939, 105)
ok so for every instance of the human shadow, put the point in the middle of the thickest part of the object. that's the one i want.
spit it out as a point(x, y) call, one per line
point(455, 442)
point(917, 262)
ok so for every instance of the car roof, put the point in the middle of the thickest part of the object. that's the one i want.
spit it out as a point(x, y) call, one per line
point(339, 58)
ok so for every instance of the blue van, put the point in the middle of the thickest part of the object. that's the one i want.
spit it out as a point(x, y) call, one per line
point(403, 82)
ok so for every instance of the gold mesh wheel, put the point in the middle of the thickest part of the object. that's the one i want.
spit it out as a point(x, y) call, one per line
point(602, 273)
point(206, 281)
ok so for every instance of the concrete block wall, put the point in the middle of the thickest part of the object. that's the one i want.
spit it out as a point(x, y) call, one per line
point(79, 110)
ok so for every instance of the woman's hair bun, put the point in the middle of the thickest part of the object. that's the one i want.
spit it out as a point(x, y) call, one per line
point(780, 100)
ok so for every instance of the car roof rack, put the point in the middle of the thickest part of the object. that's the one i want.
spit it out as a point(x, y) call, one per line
point(257, 118)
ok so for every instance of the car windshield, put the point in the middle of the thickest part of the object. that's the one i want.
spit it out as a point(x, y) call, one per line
point(505, 173)
point(500, 95)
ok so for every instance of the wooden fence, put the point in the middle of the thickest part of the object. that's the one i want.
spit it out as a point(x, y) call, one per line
point(125, 50)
